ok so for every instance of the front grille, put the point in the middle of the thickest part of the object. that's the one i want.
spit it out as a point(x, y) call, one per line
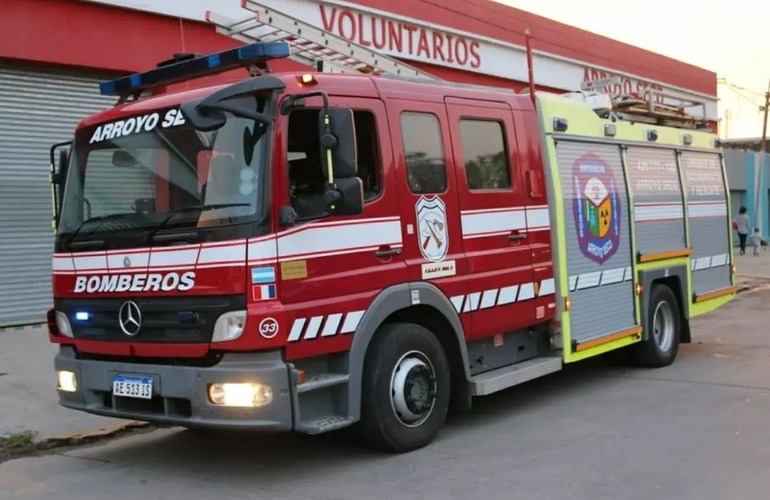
point(164, 319)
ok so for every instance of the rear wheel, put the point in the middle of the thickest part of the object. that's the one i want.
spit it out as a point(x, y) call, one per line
point(405, 391)
point(665, 324)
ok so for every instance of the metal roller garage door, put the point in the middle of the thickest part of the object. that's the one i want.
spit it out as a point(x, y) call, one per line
point(37, 109)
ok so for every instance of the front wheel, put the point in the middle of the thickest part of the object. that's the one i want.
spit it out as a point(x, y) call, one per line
point(405, 390)
point(664, 322)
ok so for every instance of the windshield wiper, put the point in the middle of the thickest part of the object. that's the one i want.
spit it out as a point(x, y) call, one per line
point(183, 236)
point(68, 243)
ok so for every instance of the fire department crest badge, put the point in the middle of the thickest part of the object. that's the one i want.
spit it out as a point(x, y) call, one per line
point(596, 207)
point(432, 228)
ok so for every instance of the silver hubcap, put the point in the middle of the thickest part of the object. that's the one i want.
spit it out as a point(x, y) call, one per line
point(663, 326)
point(413, 389)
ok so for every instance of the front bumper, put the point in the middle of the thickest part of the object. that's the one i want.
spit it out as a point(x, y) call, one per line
point(180, 392)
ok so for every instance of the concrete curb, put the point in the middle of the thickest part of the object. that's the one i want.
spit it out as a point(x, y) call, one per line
point(90, 435)
point(22, 328)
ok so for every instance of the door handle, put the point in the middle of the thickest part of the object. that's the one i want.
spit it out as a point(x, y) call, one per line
point(517, 236)
point(387, 252)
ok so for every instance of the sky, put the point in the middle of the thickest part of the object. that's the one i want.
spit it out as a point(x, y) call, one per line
point(733, 40)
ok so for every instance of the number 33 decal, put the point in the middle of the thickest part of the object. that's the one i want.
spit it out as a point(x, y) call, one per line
point(268, 328)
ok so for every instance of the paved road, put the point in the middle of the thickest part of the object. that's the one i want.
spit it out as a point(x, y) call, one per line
point(696, 430)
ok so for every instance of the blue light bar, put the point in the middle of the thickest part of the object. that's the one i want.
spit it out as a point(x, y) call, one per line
point(195, 68)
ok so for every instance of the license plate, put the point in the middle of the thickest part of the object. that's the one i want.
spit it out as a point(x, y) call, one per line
point(132, 387)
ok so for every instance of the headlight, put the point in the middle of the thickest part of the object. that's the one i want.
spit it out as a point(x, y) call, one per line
point(240, 395)
point(229, 326)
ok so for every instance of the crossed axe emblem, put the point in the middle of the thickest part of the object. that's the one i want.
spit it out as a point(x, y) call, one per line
point(433, 226)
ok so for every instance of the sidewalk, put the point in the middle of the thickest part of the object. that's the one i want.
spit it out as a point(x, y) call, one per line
point(750, 268)
point(28, 389)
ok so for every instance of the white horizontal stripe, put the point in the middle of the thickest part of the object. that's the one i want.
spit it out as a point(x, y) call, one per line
point(174, 258)
point(629, 274)
point(708, 209)
point(137, 260)
point(589, 280)
point(94, 263)
point(573, 283)
point(611, 276)
point(315, 239)
point(538, 217)
point(492, 222)
point(219, 265)
point(719, 260)
point(702, 263)
point(259, 250)
point(229, 253)
point(61, 263)
point(644, 213)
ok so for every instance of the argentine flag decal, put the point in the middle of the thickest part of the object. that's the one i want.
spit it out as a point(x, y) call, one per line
point(262, 275)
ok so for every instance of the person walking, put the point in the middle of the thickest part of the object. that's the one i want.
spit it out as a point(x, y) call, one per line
point(741, 225)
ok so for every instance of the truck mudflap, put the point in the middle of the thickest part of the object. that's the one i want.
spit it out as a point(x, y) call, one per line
point(180, 395)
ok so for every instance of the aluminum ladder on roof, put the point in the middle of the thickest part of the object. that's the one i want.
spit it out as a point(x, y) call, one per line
point(309, 44)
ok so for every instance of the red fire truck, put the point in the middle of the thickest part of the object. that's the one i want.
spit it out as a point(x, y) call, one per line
point(314, 251)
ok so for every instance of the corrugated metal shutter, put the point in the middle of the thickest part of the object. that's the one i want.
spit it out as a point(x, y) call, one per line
point(37, 109)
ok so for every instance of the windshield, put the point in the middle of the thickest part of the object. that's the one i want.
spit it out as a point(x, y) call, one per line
point(135, 181)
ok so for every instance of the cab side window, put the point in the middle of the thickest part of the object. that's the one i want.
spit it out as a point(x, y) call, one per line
point(423, 153)
point(485, 154)
point(306, 176)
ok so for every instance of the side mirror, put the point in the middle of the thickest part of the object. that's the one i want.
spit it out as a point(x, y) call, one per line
point(347, 198)
point(58, 177)
point(122, 158)
point(338, 143)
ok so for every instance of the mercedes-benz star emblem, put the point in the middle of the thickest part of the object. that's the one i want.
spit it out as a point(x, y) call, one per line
point(130, 318)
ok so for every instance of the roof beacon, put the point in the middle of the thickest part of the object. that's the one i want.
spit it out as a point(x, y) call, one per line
point(247, 56)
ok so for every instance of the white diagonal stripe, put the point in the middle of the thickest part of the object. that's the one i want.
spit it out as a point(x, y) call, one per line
point(589, 280)
point(488, 298)
point(313, 327)
point(351, 321)
point(473, 302)
point(296, 329)
point(507, 295)
point(457, 301)
point(331, 325)
point(526, 292)
point(547, 287)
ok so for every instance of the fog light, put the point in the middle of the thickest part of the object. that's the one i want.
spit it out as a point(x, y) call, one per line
point(240, 395)
point(67, 382)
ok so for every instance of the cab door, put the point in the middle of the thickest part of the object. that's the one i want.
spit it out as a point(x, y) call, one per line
point(331, 267)
point(433, 240)
point(493, 218)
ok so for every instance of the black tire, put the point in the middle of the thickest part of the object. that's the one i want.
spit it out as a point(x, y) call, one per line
point(662, 343)
point(419, 353)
